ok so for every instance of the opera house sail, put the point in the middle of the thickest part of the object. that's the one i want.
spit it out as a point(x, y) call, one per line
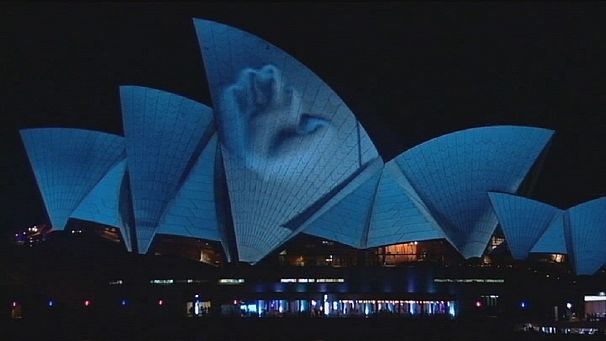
point(278, 154)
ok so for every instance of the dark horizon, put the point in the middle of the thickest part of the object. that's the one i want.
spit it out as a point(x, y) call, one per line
point(409, 72)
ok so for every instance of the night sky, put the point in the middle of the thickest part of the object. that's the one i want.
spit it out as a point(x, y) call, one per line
point(409, 72)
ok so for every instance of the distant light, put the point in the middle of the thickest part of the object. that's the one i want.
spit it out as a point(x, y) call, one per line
point(162, 281)
point(160, 302)
point(196, 296)
point(468, 280)
point(231, 281)
point(602, 293)
point(523, 304)
point(568, 305)
point(14, 304)
point(235, 301)
point(593, 298)
point(478, 304)
point(51, 303)
point(86, 303)
point(123, 303)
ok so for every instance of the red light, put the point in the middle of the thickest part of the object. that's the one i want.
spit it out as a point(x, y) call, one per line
point(478, 304)
point(86, 303)
point(160, 302)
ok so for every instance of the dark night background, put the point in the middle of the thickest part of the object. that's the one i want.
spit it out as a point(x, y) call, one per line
point(409, 72)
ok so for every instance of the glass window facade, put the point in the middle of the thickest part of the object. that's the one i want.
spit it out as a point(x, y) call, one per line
point(333, 307)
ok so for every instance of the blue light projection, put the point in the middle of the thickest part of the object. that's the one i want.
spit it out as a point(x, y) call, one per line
point(162, 133)
point(105, 202)
point(287, 139)
point(68, 163)
point(453, 173)
point(532, 226)
point(346, 218)
point(262, 119)
point(398, 214)
point(553, 239)
point(193, 212)
point(523, 221)
point(294, 159)
point(588, 235)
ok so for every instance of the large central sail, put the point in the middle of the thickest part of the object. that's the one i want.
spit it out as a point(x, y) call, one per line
point(287, 139)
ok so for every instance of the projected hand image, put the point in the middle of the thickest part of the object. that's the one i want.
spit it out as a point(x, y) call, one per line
point(265, 124)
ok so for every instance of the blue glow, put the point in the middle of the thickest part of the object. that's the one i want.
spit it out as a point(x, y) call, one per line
point(51, 303)
point(398, 214)
point(124, 303)
point(553, 239)
point(587, 236)
point(295, 160)
point(523, 305)
point(67, 164)
point(523, 221)
point(451, 309)
point(276, 127)
point(193, 210)
point(162, 131)
point(346, 217)
point(287, 138)
point(453, 173)
point(252, 308)
point(105, 203)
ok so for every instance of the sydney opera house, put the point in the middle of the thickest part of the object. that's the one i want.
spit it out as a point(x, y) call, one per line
point(278, 170)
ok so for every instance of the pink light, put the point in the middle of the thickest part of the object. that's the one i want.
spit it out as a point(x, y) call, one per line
point(86, 303)
point(14, 304)
point(478, 304)
point(160, 302)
